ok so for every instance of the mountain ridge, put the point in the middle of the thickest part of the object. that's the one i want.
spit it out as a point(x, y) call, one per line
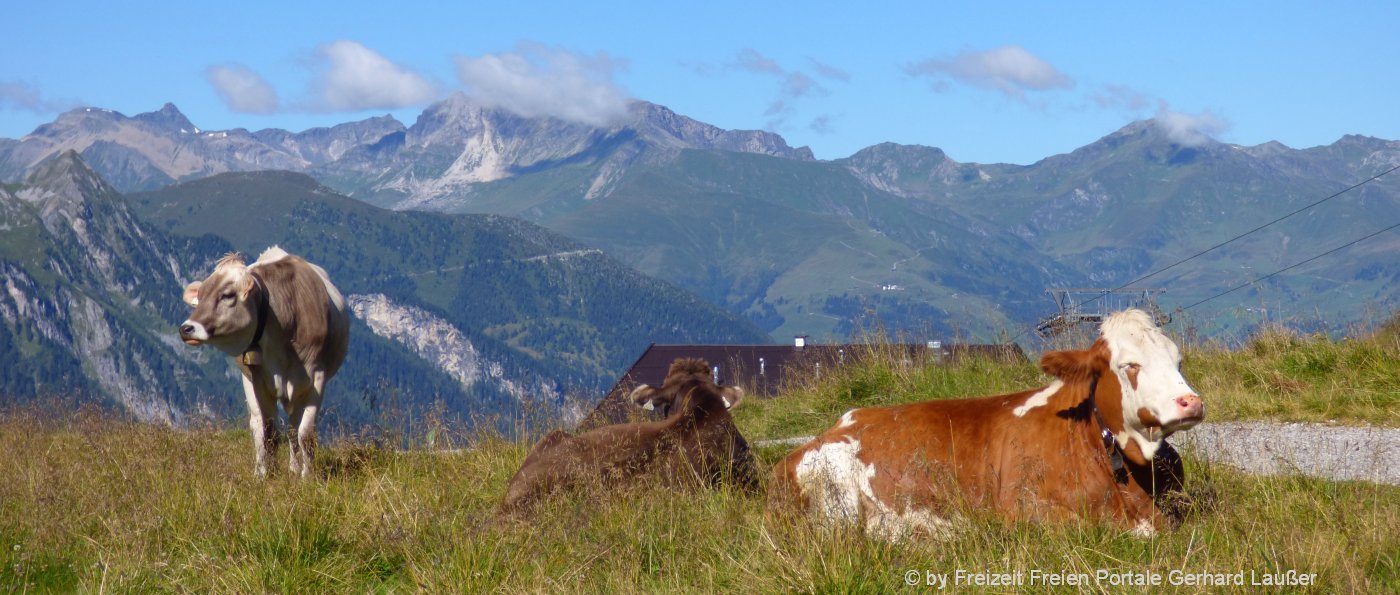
point(902, 236)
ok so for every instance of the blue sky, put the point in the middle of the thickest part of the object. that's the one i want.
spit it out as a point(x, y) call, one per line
point(986, 82)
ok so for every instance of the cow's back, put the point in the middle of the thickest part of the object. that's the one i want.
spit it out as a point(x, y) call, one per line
point(309, 308)
point(910, 468)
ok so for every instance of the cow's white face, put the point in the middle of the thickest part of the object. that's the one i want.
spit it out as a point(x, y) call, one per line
point(1156, 398)
point(223, 314)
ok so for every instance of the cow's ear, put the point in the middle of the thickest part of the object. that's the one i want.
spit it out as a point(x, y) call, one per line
point(732, 396)
point(192, 293)
point(245, 286)
point(643, 396)
point(1073, 365)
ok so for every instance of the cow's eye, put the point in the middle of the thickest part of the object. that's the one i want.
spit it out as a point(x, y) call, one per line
point(227, 297)
point(1130, 366)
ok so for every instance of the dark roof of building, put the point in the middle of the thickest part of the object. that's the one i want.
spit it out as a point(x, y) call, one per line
point(762, 370)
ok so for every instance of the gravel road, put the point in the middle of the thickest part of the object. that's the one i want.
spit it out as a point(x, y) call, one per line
point(1273, 448)
point(1318, 450)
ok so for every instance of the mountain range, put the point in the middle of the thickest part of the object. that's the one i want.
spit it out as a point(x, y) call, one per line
point(897, 236)
point(477, 317)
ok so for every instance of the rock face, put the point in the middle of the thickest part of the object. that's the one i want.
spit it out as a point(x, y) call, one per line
point(88, 294)
point(441, 344)
point(457, 144)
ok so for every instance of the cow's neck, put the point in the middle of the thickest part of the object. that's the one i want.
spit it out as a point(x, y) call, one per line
point(253, 356)
point(1137, 444)
point(1110, 442)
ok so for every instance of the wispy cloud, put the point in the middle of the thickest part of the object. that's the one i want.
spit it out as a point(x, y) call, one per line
point(1121, 97)
point(536, 81)
point(1183, 128)
point(1191, 130)
point(829, 72)
point(242, 90)
point(354, 77)
point(753, 61)
point(1010, 70)
point(793, 85)
point(15, 95)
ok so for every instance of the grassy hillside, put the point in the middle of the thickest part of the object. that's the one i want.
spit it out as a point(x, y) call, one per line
point(97, 504)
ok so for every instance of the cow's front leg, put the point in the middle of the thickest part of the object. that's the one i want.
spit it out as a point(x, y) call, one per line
point(262, 420)
point(301, 421)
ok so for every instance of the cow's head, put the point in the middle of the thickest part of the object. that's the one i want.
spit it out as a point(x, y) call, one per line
point(225, 315)
point(1153, 399)
point(1148, 366)
point(682, 371)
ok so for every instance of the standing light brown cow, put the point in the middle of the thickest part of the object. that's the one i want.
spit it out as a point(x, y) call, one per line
point(697, 444)
point(286, 327)
point(1088, 446)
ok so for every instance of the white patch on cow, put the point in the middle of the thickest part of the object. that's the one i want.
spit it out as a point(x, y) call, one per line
point(837, 485)
point(830, 477)
point(272, 254)
point(1134, 339)
point(649, 405)
point(1144, 529)
point(848, 419)
point(1038, 399)
point(727, 404)
point(884, 523)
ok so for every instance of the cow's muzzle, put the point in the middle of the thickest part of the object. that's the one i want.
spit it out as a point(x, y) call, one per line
point(193, 333)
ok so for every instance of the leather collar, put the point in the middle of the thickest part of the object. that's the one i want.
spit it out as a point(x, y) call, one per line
point(1115, 452)
point(252, 356)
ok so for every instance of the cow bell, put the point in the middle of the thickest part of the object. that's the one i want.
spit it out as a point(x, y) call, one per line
point(251, 357)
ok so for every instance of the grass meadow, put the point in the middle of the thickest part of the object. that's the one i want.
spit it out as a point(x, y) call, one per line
point(89, 503)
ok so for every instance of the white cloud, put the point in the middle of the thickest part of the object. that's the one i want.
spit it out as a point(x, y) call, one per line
point(536, 81)
point(1190, 130)
point(242, 89)
point(1008, 69)
point(357, 78)
point(23, 96)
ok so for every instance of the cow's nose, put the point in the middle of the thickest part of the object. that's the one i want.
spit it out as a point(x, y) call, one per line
point(186, 330)
point(1191, 406)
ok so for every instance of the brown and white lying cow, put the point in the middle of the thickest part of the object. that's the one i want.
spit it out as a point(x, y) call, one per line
point(1088, 446)
point(697, 444)
point(286, 326)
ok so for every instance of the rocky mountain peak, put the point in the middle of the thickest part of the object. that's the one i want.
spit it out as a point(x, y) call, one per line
point(63, 179)
point(666, 128)
point(169, 118)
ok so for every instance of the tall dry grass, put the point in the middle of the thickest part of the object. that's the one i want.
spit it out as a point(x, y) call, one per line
point(94, 504)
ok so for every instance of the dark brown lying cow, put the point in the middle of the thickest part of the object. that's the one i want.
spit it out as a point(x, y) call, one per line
point(697, 444)
point(1089, 446)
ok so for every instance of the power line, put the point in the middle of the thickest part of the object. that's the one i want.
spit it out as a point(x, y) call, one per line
point(1290, 267)
point(1231, 240)
point(1237, 237)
